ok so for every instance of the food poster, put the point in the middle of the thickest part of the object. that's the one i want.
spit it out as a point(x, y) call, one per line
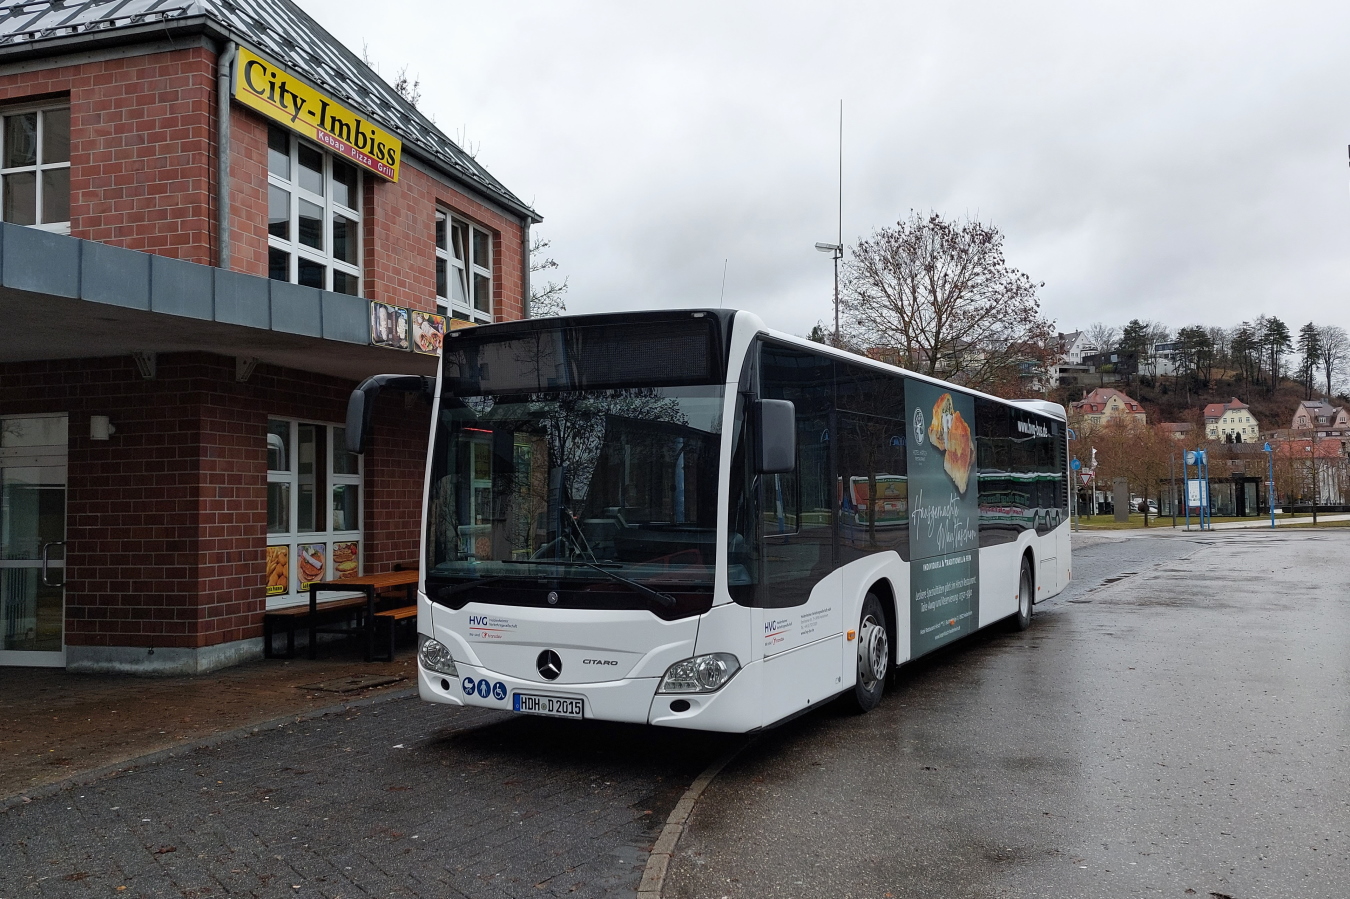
point(346, 560)
point(278, 570)
point(310, 561)
point(944, 511)
point(388, 326)
point(428, 331)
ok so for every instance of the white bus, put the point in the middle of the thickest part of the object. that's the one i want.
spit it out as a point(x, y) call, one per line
point(688, 519)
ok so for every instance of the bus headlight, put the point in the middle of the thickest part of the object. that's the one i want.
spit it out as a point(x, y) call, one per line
point(436, 657)
point(701, 674)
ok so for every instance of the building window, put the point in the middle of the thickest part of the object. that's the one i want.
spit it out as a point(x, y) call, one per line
point(463, 269)
point(313, 508)
point(35, 170)
point(313, 216)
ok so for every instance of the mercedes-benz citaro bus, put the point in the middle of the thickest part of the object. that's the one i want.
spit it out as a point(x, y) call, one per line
point(687, 519)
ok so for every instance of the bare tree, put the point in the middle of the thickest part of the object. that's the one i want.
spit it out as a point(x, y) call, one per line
point(940, 298)
point(407, 87)
point(1104, 337)
point(1221, 338)
point(546, 298)
point(1335, 345)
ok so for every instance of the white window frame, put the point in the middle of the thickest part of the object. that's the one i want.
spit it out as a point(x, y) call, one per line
point(327, 535)
point(38, 167)
point(292, 246)
point(464, 269)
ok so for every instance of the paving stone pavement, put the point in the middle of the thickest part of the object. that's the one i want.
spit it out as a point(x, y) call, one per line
point(399, 799)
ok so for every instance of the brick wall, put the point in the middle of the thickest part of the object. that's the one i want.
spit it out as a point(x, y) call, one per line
point(167, 521)
point(400, 238)
point(248, 192)
point(143, 176)
point(140, 149)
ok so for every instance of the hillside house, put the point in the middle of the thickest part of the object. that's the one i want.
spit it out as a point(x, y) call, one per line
point(1231, 422)
point(1106, 404)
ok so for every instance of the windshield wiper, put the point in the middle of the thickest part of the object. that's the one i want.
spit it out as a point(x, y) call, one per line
point(664, 599)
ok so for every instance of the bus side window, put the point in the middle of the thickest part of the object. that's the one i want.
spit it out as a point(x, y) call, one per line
point(796, 510)
point(872, 464)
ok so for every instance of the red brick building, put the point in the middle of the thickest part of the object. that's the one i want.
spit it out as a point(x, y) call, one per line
point(217, 220)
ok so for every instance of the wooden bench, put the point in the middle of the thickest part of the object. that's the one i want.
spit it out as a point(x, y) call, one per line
point(290, 616)
point(390, 618)
point(370, 585)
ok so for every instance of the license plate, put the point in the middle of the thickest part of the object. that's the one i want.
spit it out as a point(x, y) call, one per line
point(557, 706)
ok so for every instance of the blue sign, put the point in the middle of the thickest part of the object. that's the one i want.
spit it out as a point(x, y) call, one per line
point(484, 688)
point(1075, 465)
point(499, 690)
point(468, 686)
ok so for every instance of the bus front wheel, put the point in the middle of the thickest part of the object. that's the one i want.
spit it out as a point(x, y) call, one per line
point(874, 655)
point(1026, 596)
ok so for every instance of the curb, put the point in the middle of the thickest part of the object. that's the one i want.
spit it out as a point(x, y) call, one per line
point(658, 862)
point(211, 742)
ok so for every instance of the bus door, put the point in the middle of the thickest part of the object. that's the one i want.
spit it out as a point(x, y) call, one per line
point(800, 622)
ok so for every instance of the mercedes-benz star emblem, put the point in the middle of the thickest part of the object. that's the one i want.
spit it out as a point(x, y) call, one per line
point(549, 665)
point(553, 597)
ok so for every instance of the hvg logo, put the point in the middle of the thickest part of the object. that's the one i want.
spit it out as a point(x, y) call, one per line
point(477, 621)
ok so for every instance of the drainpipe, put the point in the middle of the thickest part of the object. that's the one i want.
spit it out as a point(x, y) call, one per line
point(525, 274)
point(224, 64)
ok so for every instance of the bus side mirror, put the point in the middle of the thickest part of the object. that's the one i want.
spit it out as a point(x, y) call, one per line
point(775, 437)
point(361, 404)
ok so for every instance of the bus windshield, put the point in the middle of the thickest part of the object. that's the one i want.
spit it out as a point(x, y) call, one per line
point(559, 484)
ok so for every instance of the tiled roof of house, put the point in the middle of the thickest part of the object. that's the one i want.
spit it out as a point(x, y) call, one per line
point(1302, 449)
point(276, 28)
point(1178, 426)
point(1095, 402)
point(1315, 409)
point(1216, 410)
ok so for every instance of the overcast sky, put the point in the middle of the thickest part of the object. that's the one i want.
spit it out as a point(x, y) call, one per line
point(1177, 161)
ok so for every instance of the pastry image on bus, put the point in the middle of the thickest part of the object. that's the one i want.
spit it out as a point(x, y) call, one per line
point(950, 434)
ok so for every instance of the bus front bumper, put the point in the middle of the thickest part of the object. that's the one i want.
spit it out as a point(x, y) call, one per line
point(632, 700)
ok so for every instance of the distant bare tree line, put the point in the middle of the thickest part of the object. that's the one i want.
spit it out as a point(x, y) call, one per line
point(1258, 353)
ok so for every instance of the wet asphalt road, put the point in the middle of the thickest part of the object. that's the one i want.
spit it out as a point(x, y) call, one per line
point(1182, 731)
point(399, 799)
point(1183, 728)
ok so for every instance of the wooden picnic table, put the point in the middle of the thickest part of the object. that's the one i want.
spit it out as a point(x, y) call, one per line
point(370, 585)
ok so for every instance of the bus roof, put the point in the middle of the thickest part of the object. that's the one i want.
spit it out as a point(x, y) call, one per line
point(740, 318)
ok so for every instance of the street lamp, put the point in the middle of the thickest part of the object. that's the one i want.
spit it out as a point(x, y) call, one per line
point(1270, 483)
point(836, 251)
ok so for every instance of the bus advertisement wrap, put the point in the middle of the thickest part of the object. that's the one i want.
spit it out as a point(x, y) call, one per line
point(944, 517)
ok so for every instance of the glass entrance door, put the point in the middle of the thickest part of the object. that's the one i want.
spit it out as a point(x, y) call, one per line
point(32, 540)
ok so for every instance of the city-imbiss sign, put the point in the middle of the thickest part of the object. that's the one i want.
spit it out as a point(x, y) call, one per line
point(282, 97)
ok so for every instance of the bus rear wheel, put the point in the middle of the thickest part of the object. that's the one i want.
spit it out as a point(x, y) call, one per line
point(1026, 596)
point(874, 655)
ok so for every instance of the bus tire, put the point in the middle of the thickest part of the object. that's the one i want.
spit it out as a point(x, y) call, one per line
point(874, 655)
point(1026, 596)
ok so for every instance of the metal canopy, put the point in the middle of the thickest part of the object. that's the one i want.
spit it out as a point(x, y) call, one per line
point(63, 298)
